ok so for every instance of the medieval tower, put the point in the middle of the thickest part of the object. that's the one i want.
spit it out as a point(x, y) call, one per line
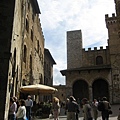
point(94, 73)
point(74, 49)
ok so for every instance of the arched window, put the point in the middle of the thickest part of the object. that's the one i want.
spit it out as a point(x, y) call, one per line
point(99, 60)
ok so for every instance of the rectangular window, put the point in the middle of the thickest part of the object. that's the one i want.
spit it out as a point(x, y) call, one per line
point(31, 35)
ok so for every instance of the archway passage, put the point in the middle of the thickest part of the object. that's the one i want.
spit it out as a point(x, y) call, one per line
point(80, 89)
point(100, 89)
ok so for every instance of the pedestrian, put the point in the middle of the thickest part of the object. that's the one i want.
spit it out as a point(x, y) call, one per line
point(67, 101)
point(94, 109)
point(86, 109)
point(77, 111)
point(16, 103)
point(72, 107)
point(56, 108)
point(105, 111)
point(21, 113)
point(28, 105)
point(12, 110)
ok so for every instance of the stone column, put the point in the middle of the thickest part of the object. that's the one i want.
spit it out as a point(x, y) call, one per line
point(111, 93)
point(90, 94)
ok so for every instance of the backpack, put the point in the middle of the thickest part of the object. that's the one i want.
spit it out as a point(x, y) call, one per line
point(101, 106)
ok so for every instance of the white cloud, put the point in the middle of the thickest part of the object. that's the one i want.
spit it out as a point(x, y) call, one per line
point(58, 17)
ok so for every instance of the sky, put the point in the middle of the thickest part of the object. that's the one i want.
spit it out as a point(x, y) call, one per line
point(59, 16)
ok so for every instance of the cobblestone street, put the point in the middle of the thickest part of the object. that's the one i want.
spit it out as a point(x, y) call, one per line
point(115, 109)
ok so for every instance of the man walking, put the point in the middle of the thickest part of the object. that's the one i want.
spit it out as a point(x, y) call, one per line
point(72, 107)
point(29, 105)
point(105, 112)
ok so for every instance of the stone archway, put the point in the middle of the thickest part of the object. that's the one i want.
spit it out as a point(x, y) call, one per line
point(80, 89)
point(100, 89)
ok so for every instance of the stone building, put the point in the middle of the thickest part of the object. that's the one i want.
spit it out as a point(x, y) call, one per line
point(22, 49)
point(94, 73)
point(48, 71)
point(33, 47)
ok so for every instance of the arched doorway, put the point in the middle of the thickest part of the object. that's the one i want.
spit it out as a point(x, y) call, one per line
point(80, 89)
point(100, 89)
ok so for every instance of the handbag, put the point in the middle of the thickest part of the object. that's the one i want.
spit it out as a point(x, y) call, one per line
point(50, 116)
point(110, 111)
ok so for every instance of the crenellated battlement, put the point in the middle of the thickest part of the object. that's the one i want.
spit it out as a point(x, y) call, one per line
point(95, 49)
point(110, 20)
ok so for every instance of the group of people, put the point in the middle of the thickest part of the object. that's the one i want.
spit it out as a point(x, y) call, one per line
point(20, 110)
point(102, 106)
point(88, 108)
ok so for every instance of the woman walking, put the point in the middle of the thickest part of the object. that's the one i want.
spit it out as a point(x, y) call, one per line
point(56, 108)
point(94, 109)
point(12, 110)
point(86, 109)
point(21, 113)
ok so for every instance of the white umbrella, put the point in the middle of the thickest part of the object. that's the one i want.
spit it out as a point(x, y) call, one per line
point(38, 89)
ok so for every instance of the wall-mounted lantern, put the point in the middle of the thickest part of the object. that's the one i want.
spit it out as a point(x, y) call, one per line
point(10, 84)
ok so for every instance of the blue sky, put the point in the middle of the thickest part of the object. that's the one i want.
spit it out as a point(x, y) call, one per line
point(58, 16)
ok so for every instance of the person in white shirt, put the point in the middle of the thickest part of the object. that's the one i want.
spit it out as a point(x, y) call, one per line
point(95, 109)
point(12, 110)
point(29, 105)
point(16, 103)
point(21, 113)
